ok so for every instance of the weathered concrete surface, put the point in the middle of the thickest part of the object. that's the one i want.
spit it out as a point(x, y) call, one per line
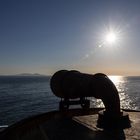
point(132, 133)
point(70, 125)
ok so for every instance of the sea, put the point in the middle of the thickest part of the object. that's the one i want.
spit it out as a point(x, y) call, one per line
point(25, 96)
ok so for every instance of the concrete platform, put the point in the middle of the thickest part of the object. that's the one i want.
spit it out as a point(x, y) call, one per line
point(75, 124)
point(132, 133)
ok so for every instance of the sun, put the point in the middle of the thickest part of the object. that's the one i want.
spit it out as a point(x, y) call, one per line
point(111, 37)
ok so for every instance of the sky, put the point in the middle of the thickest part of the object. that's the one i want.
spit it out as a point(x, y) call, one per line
point(44, 36)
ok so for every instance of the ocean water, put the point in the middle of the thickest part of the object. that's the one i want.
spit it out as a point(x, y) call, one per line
point(24, 96)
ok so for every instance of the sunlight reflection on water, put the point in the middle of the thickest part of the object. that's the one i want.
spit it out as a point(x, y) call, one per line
point(122, 87)
point(125, 101)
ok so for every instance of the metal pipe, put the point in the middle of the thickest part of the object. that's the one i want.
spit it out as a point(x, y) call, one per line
point(73, 84)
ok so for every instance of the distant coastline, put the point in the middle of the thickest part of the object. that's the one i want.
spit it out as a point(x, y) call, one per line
point(26, 74)
point(38, 75)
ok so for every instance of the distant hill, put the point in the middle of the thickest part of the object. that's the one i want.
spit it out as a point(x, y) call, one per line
point(30, 74)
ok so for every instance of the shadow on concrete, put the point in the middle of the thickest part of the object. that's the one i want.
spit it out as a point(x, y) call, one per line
point(68, 129)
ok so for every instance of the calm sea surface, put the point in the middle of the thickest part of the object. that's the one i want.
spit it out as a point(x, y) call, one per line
point(22, 96)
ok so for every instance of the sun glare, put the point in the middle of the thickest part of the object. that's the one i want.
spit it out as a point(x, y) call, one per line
point(116, 79)
point(111, 37)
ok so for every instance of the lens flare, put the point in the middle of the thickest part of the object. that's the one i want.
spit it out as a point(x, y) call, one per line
point(111, 38)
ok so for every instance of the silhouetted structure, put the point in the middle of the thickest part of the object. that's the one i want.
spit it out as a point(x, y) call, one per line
point(75, 85)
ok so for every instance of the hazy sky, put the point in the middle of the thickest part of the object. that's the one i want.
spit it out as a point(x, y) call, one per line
point(43, 36)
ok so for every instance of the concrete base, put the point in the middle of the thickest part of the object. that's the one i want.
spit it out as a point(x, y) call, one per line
point(74, 124)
